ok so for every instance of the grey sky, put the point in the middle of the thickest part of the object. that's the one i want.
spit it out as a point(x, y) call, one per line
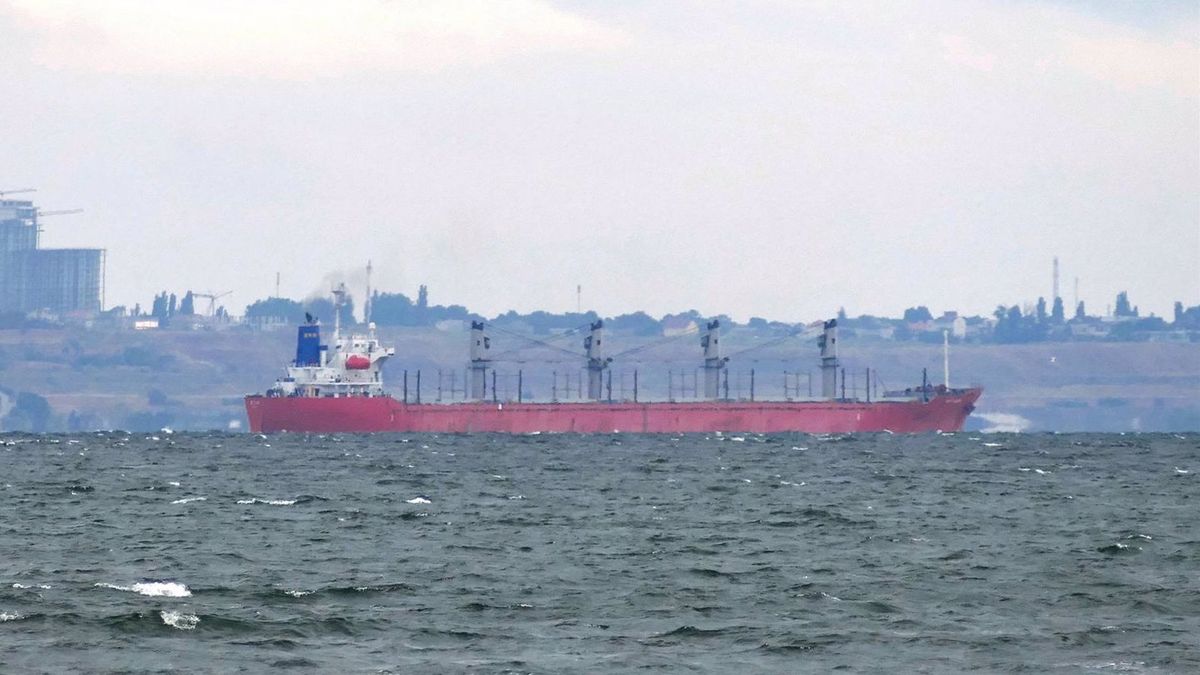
point(764, 158)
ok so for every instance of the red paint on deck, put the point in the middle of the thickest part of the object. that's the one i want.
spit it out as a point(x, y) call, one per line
point(944, 412)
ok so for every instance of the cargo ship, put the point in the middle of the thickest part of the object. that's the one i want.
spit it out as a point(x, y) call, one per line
point(338, 388)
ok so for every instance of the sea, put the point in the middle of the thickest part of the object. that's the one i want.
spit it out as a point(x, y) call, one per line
point(792, 553)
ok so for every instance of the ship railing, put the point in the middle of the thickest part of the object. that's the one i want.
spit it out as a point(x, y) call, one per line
point(633, 385)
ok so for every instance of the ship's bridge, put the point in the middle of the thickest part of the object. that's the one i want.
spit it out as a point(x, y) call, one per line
point(351, 366)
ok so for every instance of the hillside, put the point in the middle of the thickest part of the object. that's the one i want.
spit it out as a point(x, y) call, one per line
point(195, 379)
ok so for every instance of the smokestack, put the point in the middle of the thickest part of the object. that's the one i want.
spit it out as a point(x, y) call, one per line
point(1055, 295)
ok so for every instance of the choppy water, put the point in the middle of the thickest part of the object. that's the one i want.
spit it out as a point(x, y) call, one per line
point(552, 554)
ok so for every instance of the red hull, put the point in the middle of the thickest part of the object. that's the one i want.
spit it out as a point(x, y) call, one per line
point(944, 412)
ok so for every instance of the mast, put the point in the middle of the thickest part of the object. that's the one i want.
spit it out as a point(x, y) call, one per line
point(596, 362)
point(713, 362)
point(339, 297)
point(829, 359)
point(946, 356)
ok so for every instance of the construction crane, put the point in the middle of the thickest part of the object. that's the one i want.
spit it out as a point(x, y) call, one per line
point(4, 193)
point(212, 300)
point(39, 214)
point(65, 212)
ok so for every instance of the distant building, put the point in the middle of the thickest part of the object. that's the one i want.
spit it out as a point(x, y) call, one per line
point(32, 279)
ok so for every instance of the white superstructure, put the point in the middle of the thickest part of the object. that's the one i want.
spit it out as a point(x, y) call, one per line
point(350, 366)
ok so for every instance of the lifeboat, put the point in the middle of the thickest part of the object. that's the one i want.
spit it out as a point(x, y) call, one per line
point(357, 362)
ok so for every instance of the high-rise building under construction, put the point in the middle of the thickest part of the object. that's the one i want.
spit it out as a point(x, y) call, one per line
point(57, 281)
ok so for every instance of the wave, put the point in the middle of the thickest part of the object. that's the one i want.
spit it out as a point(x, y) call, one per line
point(179, 619)
point(270, 502)
point(803, 644)
point(189, 500)
point(712, 573)
point(692, 631)
point(296, 593)
point(1119, 549)
point(154, 589)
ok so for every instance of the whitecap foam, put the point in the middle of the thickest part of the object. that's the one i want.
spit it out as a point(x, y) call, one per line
point(1182, 472)
point(6, 616)
point(1004, 423)
point(20, 586)
point(418, 500)
point(189, 500)
point(179, 619)
point(297, 594)
point(173, 483)
point(993, 445)
point(270, 502)
point(154, 589)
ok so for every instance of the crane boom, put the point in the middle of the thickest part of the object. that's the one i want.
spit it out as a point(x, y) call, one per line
point(64, 212)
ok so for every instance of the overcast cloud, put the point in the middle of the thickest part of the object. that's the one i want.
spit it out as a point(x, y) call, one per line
point(779, 159)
